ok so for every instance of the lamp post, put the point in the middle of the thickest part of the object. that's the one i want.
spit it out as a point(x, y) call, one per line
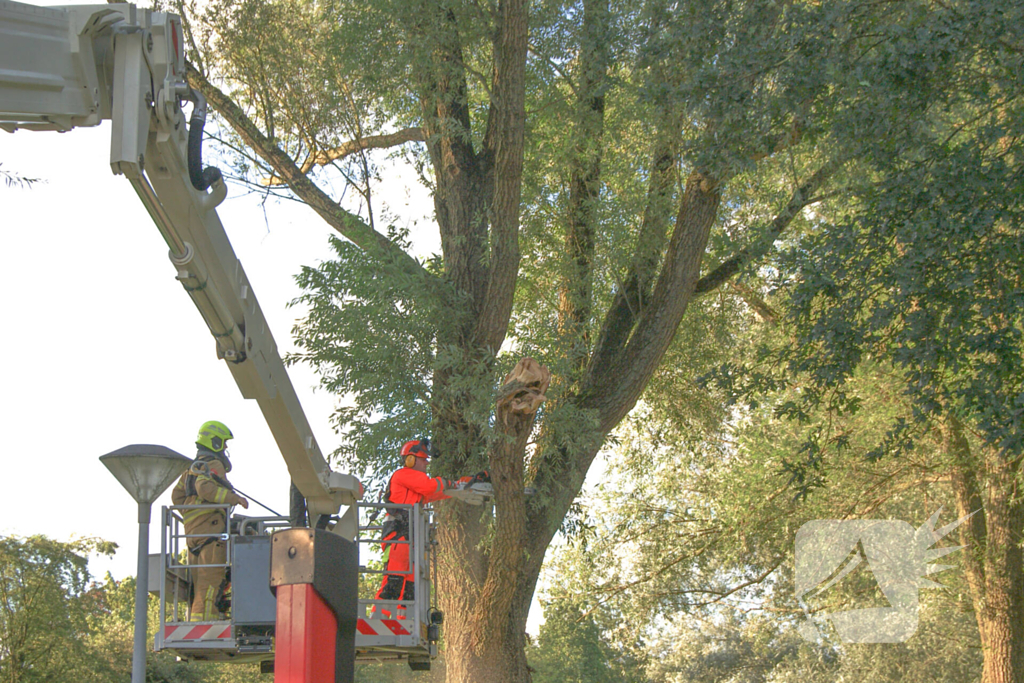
point(145, 471)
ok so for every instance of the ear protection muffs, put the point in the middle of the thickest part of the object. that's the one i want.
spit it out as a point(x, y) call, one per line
point(410, 461)
point(217, 442)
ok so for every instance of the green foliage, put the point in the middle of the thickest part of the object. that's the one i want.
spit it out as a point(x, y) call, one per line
point(297, 74)
point(370, 331)
point(878, 85)
point(930, 275)
point(688, 565)
point(901, 288)
point(739, 647)
point(920, 263)
point(570, 649)
point(56, 624)
point(46, 602)
point(398, 672)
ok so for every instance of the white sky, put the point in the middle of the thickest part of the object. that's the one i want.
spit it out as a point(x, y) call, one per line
point(103, 348)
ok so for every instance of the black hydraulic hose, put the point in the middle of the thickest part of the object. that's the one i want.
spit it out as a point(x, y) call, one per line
point(201, 177)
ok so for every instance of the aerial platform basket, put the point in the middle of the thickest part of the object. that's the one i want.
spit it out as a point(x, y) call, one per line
point(248, 633)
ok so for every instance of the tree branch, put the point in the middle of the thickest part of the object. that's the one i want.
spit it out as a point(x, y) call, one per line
point(348, 224)
point(968, 496)
point(326, 156)
point(801, 197)
point(507, 552)
point(614, 387)
point(514, 412)
point(633, 293)
point(575, 290)
point(723, 594)
point(504, 143)
point(610, 391)
point(719, 594)
point(754, 300)
point(460, 192)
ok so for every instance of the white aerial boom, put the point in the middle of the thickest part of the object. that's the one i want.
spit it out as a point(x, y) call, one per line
point(72, 66)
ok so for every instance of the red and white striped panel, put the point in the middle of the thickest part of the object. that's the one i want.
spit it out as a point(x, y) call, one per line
point(381, 627)
point(195, 632)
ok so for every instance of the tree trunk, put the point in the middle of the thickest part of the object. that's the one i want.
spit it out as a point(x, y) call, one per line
point(503, 658)
point(993, 559)
point(479, 573)
point(499, 658)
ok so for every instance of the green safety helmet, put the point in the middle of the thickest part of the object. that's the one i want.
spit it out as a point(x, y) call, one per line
point(213, 436)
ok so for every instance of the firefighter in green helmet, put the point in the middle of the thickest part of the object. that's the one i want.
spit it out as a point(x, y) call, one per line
point(206, 483)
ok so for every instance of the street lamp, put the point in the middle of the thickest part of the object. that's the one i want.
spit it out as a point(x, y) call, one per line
point(145, 471)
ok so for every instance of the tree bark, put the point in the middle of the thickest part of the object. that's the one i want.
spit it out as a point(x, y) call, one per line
point(478, 578)
point(504, 145)
point(993, 559)
point(613, 389)
point(481, 556)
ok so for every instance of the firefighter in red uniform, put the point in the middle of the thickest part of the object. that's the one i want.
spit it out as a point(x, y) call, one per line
point(409, 485)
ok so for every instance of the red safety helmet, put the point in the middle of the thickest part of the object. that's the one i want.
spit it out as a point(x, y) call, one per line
point(419, 448)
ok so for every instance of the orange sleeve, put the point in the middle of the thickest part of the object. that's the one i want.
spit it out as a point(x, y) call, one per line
point(430, 489)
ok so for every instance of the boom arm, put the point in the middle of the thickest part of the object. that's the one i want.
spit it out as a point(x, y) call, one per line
point(65, 67)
